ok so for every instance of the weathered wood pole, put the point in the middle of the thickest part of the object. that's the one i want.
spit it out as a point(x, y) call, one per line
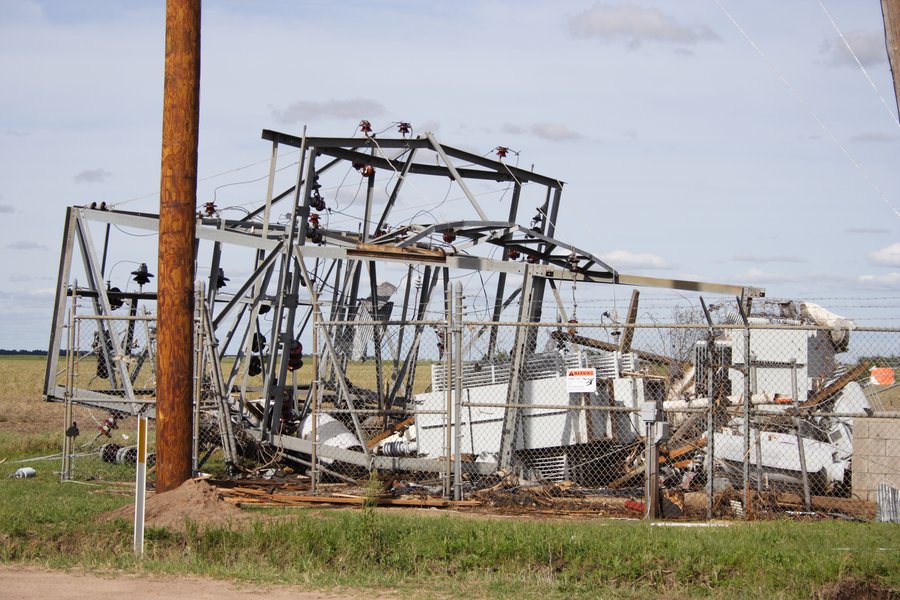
point(177, 207)
point(890, 11)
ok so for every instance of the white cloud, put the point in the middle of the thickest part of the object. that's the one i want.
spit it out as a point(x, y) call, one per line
point(21, 11)
point(889, 281)
point(432, 126)
point(26, 245)
point(6, 208)
point(24, 278)
point(512, 129)
point(30, 298)
point(880, 138)
point(92, 176)
point(623, 259)
point(356, 108)
point(754, 275)
point(768, 259)
point(867, 45)
point(888, 256)
point(878, 230)
point(634, 26)
point(556, 132)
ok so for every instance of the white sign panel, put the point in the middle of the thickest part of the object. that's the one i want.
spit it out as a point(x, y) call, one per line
point(581, 381)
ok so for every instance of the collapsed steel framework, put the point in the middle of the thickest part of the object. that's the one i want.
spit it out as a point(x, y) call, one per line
point(301, 268)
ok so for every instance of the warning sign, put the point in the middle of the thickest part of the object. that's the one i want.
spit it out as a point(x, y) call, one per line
point(581, 381)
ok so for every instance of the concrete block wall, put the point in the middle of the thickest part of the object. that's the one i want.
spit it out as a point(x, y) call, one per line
point(876, 455)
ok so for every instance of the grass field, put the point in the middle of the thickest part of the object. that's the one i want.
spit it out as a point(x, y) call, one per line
point(45, 522)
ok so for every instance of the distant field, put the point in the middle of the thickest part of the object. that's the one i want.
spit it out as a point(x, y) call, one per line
point(23, 412)
point(21, 408)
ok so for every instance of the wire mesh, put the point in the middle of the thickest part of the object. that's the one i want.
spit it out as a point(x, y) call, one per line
point(522, 423)
point(746, 420)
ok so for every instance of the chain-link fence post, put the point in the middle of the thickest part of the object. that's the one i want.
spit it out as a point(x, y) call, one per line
point(314, 407)
point(746, 374)
point(710, 429)
point(199, 294)
point(69, 427)
point(458, 387)
point(448, 389)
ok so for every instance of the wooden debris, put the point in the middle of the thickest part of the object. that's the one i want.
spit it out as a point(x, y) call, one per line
point(389, 432)
point(262, 497)
point(581, 340)
point(836, 385)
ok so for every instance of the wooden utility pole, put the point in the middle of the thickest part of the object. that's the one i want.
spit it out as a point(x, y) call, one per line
point(177, 207)
point(890, 10)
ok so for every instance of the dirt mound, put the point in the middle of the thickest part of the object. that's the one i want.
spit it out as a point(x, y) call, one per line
point(195, 500)
point(854, 589)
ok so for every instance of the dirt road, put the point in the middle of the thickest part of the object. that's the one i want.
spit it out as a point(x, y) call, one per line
point(37, 584)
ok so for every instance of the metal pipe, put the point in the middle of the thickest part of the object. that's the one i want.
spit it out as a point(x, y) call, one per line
point(457, 416)
point(314, 395)
point(801, 450)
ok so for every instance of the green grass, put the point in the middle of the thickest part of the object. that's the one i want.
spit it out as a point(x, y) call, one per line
point(58, 525)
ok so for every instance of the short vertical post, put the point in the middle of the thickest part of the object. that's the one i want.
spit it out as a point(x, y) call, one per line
point(651, 484)
point(140, 488)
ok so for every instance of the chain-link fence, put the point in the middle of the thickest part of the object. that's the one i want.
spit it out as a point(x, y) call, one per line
point(728, 420)
point(108, 378)
point(740, 419)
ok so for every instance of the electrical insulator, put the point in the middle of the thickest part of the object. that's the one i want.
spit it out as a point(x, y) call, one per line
point(259, 342)
point(255, 366)
point(314, 220)
point(108, 424)
point(572, 330)
point(364, 170)
point(380, 232)
point(365, 127)
point(316, 236)
point(221, 279)
point(318, 202)
point(449, 237)
point(440, 343)
point(502, 152)
point(572, 263)
point(114, 295)
point(295, 356)
point(513, 254)
point(404, 128)
point(209, 208)
point(532, 259)
point(142, 275)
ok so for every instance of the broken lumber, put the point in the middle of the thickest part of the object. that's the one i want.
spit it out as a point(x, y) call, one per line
point(835, 386)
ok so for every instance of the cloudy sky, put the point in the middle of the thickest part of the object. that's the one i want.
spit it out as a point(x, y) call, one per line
point(715, 139)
